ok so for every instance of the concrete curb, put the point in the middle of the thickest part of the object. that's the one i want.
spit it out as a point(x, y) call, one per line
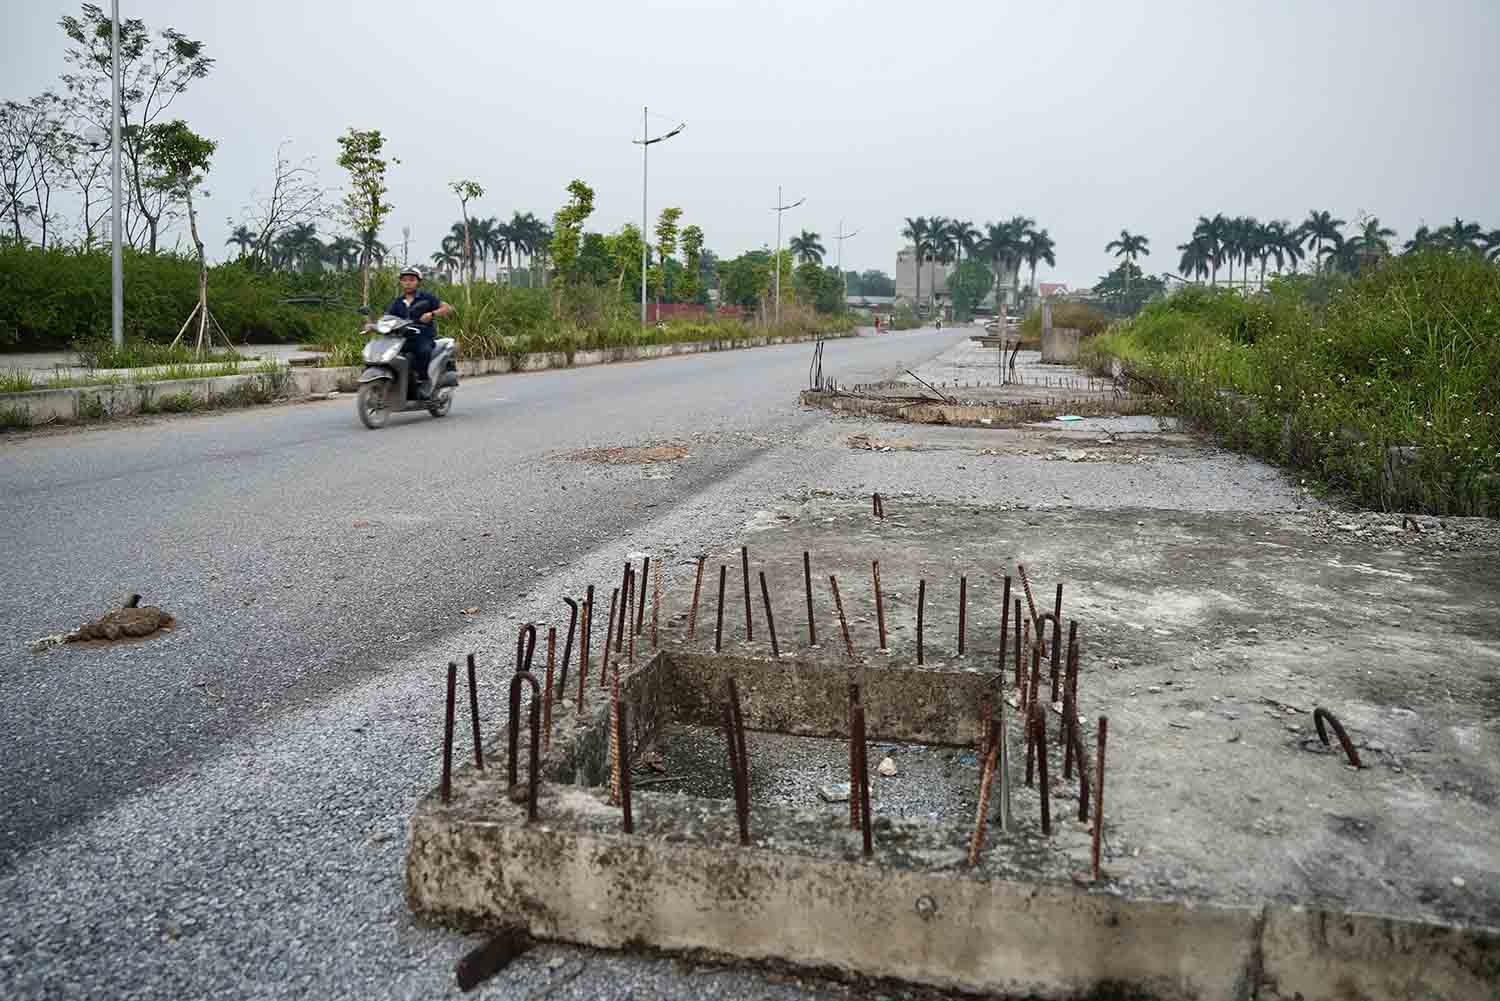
point(46, 406)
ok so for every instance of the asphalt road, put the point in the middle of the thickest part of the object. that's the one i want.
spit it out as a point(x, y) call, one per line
point(206, 813)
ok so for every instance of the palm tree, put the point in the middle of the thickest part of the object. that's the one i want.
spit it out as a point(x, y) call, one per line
point(919, 231)
point(484, 233)
point(1422, 239)
point(1002, 243)
point(1247, 242)
point(243, 238)
point(1461, 235)
point(1321, 229)
point(342, 252)
point(1374, 235)
point(447, 259)
point(1129, 246)
point(1196, 257)
point(1038, 246)
point(807, 247)
point(1289, 243)
point(1492, 245)
point(1214, 233)
point(1272, 240)
point(964, 237)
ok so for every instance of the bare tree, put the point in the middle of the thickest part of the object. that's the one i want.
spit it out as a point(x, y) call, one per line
point(295, 198)
point(85, 164)
point(153, 76)
point(15, 178)
point(46, 150)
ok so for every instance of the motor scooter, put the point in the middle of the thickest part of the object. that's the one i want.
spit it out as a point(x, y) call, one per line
point(386, 386)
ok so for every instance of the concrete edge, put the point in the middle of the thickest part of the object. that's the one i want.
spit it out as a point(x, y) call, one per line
point(91, 403)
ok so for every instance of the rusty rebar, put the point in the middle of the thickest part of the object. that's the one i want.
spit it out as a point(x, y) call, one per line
point(986, 783)
point(525, 646)
point(1083, 774)
point(629, 649)
point(1030, 602)
point(516, 681)
point(445, 789)
point(614, 600)
point(583, 647)
point(621, 730)
point(812, 629)
point(879, 603)
point(1004, 633)
point(1004, 758)
point(474, 713)
point(640, 612)
point(921, 611)
point(697, 587)
point(1070, 716)
point(863, 789)
point(1041, 770)
point(1099, 794)
point(765, 596)
point(1056, 655)
point(1036, 673)
point(619, 632)
point(838, 603)
point(614, 736)
point(719, 623)
point(878, 506)
point(1319, 715)
point(963, 611)
point(745, 566)
point(562, 679)
point(1029, 705)
point(739, 759)
point(655, 604)
point(1020, 663)
point(547, 693)
point(853, 761)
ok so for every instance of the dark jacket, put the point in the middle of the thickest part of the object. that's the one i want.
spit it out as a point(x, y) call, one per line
point(422, 302)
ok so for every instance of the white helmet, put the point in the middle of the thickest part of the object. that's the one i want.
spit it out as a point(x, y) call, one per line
point(412, 270)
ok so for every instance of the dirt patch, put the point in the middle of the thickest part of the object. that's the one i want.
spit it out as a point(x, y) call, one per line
point(125, 623)
point(624, 456)
point(864, 441)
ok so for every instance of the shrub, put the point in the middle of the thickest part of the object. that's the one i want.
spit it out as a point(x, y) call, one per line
point(1075, 315)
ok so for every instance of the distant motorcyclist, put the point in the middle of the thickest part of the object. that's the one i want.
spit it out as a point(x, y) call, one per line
point(421, 308)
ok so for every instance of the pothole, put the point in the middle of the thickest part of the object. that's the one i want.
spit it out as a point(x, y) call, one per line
point(132, 621)
point(627, 456)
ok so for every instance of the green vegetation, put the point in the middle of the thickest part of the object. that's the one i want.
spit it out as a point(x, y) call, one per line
point(1381, 385)
point(1066, 314)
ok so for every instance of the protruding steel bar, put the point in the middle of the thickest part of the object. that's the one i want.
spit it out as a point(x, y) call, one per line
point(525, 646)
point(583, 648)
point(1319, 715)
point(1030, 602)
point(765, 596)
point(562, 679)
point(627, 602)
point(697, 588)
point(641, 582)
point(745, 566)
point(547, 693)
point(838, 603)
point(740, 759)
point(1083, 774)
point(986, 783)
point(921, 611)
point(812, 629)
point(853, 761)
point(516, 681)
point(963, 611)
point(879, 604)
point(1041, 770)
point(630, 652)
point(1004, 632)
point(445, 789)
point(1005, 812)
point(614, 735)
point(619, 631)
point(614, 600)
point(1020, 662)
point(474, 713)
point(719, 624)
point(879, 506)
point(655, 604)
point(727, 719)
point(1099, 793)
point(863, 788)
point(1056, 656)
point(1070, 677)
point(621, 730)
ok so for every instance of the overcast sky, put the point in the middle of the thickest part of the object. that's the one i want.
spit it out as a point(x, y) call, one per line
point(1088, 117)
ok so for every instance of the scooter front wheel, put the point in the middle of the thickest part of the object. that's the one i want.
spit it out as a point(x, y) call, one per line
point(439, 407)
point(371, 405)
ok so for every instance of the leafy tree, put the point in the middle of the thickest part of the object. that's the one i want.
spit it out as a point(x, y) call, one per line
point(364, 205)
point(666, 246)
point(876, 282)
point(1129, 246)
point(807, 247)
point(242, 238)
point(1126, 289)
point(595, 265)
point(467, 191)
point(152, 77)
point(1492, 245)
point(691, 289)
point(177, 158)
point(970, 283)
point(1322, 232)
point(446, 259)
point(746, 280)
point(567, 239)
point(625, 253)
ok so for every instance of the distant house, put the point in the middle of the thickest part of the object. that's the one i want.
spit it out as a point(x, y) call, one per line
point(883, 304)
point(934, 279)
point(1049, 290)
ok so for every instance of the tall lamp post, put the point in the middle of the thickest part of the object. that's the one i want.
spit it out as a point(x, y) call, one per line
point(841, 237)
point(776, 261)
point(645, 142)
point(117, 271)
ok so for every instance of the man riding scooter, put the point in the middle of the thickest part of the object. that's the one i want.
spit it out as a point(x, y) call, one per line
point(421, 308)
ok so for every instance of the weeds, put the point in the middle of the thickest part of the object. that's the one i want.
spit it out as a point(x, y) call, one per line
point(14, 418)
point(16, 380)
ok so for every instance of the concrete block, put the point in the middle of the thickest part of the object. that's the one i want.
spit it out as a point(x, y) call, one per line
point(1060, 345)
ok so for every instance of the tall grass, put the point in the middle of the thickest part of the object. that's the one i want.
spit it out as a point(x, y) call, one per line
point(1389, 390)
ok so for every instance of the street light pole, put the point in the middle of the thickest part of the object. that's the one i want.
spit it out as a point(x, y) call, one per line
point(117, 271)
point(841, 237)
point(645, 142)
point(776, 260)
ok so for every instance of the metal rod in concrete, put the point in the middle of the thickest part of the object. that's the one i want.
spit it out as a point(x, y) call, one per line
point(1070, 664)
point(921, 610)
point(614, 735)
point(1005, 812)
point(627, 602)
point(625, 613)
point(445, 789)
point(562, 680)
point(879, 604)
point(697, 587)
point(963, 611)
point(1036, 673)
point(630, 652)
point(474, 713)
point(1020, 662)
point(719, 623)
point(1004, 632)
point(525, 646)
point(1319, 715)
point(547, 692)
point(516, 681)
point(765, 596)
point(1041, 770)
point(745, 565)
point(1030, 603)
point(1099, 794)
point(614, 600)
point(863, 788)
point(1083, 774)
point(1056, 642)
point(583, 647)
point(655, 604)
point(878, 505)
point(812, 629)
point(986, 783)
point(853, 761)
point(621, 729)
point(740, 761)
point(640, 612)
point(838, 603)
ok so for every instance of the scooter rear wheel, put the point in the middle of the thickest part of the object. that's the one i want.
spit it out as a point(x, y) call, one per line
point(440, 406)
point(371, 405)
